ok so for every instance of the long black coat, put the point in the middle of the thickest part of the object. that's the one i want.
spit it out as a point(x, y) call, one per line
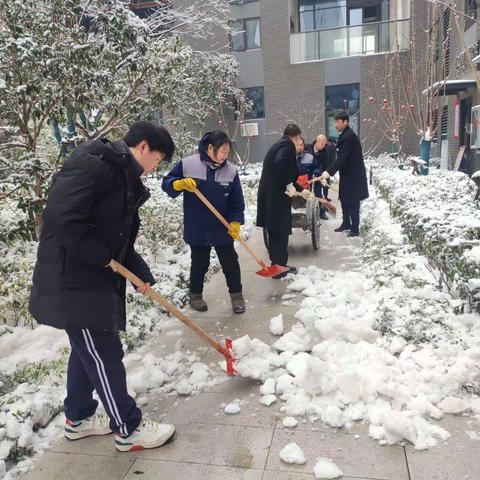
point(274, 207)
point(350, 164)
point(91, 216)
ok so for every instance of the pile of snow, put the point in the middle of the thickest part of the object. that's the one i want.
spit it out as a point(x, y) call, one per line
point(253, 358)
point(380, 345)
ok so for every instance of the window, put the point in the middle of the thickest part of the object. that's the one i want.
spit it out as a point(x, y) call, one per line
point(342, 98)
point(256, 96)
point(470, 11)
point(320, 14)
point(324, 14)
point(245, 34)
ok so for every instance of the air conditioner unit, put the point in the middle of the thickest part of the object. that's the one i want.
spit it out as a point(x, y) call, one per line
point(249, 129)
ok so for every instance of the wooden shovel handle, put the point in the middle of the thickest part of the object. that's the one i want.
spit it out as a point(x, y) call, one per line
point(247, 247)
point(117, 267)
point(317, 179)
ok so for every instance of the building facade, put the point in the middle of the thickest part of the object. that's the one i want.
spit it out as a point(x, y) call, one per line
point(303, 60)
point(457, 141)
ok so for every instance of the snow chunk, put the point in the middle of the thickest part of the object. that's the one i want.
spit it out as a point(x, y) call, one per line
point(253, 358)
point(292, 453)
point(453, 405)
point(232, 408)
point(268, 387)
point(268, 400)
point(289, 422)
point(276, 325)
point(326, 469)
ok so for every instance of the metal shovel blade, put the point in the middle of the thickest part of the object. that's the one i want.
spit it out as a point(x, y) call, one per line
point(271, 271)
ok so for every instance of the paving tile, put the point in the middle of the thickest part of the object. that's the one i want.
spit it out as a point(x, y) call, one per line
point(64, 466)
point(271, 475)
point(453, 459)
point(205, 408)
point(236, 385)
point(224, 445)
point(217, 307)
point(95, 446)
point(155, 469)
point(183, 338)
point(356, 458)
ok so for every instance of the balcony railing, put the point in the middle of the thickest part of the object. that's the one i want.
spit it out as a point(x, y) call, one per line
point(363, 39)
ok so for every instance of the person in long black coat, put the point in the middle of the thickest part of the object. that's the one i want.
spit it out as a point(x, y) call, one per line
point(90, 218)
point(353, 176)
point(277, 186)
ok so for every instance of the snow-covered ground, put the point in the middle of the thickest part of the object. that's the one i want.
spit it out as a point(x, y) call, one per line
point(381, 345)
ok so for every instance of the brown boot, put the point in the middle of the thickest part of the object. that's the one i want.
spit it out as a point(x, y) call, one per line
point(238, 303)
point(197, 302)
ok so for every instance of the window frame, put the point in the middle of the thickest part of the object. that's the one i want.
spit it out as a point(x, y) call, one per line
point(470, 12)
point(244, 33)
point(316, 6)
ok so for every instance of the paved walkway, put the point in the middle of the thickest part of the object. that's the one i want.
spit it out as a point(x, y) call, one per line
point(210, 445)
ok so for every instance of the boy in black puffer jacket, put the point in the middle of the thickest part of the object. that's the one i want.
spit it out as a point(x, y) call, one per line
point(90, 218)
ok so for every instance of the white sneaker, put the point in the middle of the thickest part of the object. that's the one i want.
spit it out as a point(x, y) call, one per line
point(94, 425)
point(147, 435)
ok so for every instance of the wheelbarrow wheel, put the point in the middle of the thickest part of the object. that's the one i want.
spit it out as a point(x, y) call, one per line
point(315, 225)
point(265, 238)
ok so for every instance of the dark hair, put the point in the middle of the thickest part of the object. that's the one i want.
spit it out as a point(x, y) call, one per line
point(342, 116)
point(157, 137)
point(217, 139)
point(292, 130)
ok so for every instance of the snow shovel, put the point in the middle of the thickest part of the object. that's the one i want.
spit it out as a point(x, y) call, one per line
point(317, 179)
point(324, 202)
point(226, 352)
point(265, 271)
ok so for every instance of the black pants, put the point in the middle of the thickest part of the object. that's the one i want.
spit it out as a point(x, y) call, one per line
point(96, 364)
point(278, 247)
point(351, 216)
point(228, 260)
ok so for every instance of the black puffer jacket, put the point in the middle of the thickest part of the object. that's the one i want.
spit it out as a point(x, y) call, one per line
point(274, 207)
point(91, 216)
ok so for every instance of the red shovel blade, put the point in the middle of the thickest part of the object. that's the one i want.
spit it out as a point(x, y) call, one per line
point(227, 353)
point(271, 271)
point(229, 358)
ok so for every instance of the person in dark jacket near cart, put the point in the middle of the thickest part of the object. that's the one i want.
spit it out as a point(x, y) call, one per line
point(278, 183)
point(215, 177)
point(320, 153)
point(353, 176)
point(91, 218)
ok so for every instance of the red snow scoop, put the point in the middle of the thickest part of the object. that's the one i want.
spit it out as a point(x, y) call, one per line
point(226, 352)
point(265, 271)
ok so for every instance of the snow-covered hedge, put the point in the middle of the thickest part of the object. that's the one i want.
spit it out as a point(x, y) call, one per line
point(439, 215)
